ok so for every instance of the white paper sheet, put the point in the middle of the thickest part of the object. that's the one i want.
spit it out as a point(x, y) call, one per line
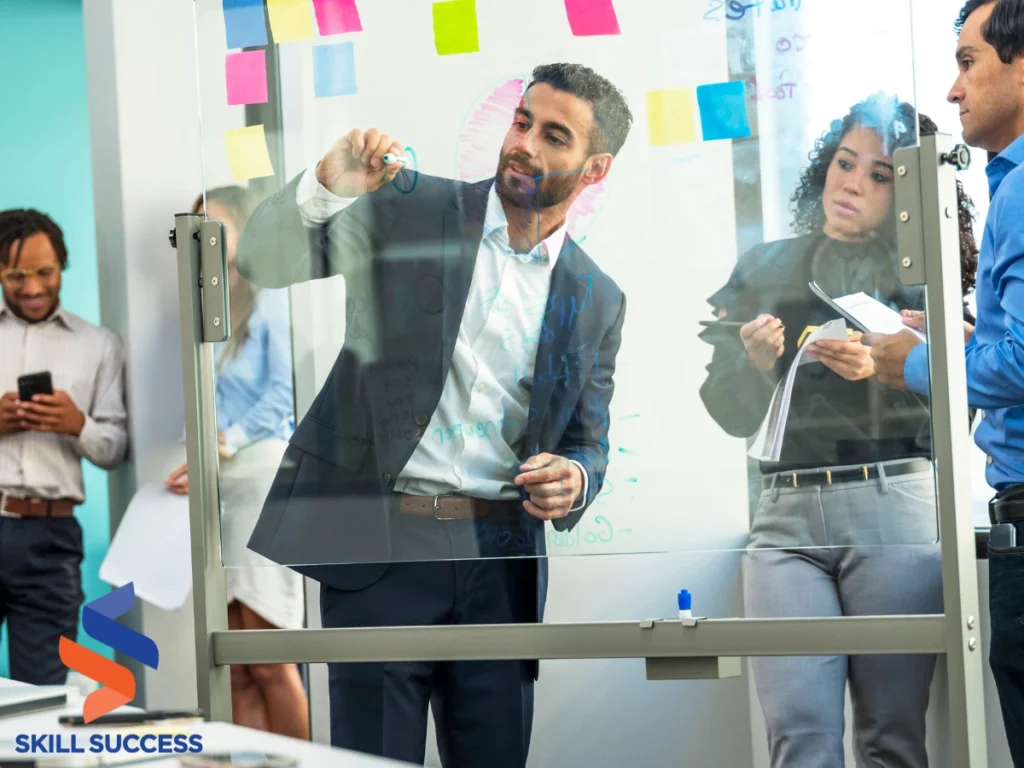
point(768, 443)
point(151, 548)
point(875, 315)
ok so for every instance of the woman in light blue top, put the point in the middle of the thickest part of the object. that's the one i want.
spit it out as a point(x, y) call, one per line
point(255, 418)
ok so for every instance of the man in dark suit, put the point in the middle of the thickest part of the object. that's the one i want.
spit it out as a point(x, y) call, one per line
point(468, 405)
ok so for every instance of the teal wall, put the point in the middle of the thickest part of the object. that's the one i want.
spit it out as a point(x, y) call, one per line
point(45, 164)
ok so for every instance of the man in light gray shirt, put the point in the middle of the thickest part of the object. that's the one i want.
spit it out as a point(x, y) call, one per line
point(44, 439)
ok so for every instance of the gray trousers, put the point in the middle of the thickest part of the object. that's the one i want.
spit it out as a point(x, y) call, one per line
point(862, 548)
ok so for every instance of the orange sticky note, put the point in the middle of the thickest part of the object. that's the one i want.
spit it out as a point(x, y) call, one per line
point(670, 118)
point(290, 20)
point(248, 155)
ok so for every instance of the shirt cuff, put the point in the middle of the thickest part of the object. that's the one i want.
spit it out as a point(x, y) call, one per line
point(915, 370)
point(89, 438)
point(235, 439)
point(317, 204)
point(583, 494)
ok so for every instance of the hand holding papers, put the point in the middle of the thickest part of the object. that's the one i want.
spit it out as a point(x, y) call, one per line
point(768, 442)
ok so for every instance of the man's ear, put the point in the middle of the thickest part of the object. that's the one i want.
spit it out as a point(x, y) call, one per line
point(597, 168)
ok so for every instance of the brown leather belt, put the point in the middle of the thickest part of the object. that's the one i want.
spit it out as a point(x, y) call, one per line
point(452, 507)
point(14, 507)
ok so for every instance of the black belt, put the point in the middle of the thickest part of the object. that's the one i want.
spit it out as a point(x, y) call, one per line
point(1007, 506)
point(800, 478)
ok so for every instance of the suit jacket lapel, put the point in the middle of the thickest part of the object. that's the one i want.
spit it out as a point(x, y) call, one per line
point(463, 230)
point(570, 295)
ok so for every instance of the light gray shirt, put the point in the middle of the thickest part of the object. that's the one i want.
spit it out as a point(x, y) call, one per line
point(85, 361)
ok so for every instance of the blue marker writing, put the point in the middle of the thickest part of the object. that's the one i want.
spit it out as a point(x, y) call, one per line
point(685, 600)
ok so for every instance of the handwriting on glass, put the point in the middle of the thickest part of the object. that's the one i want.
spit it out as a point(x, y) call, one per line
point(784, 90)
point(796, 44)
point(736, 10)
point(598, 530)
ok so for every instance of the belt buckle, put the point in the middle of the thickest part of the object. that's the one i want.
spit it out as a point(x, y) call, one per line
point(437, 507)
point(3, 506)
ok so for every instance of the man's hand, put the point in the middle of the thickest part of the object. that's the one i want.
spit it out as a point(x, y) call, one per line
point(177, 481)
point(914, 318)
point(355, 166)
point(553, 483)
point(10, 422)
point(52, 413)
point(889, 351)
point(850, 359)
point(764, 338)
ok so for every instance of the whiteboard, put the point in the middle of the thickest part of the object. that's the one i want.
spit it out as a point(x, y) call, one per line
point(664, 225)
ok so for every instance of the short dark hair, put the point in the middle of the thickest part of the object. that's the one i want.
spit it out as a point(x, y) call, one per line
point(612, 118)
point(1004, 29)
point(18, 224)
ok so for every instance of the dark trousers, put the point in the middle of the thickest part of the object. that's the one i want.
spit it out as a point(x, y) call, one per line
point(483, 710)
point(40, 593)
point(1006, 656)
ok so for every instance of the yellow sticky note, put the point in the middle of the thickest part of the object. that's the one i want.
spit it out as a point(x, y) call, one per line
point(247, 153)
point(455, 29)
point(290, 20)
point(670, 118)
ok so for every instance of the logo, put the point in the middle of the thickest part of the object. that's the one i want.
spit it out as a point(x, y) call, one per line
point(99, 620)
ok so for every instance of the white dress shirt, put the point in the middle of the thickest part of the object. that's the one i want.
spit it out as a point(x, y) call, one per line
point(88, 363)
point(476, 433)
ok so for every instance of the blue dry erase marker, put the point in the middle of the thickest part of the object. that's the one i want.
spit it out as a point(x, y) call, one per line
point(390, 158)
point(685, 600)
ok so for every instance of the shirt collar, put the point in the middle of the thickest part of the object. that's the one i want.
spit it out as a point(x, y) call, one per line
point(59, 315)
point(496, 228)
point(1003, 163)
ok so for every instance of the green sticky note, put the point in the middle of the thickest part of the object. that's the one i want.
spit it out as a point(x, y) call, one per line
point(455, 27)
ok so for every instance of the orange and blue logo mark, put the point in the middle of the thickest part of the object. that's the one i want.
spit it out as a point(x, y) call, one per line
point(99, 620)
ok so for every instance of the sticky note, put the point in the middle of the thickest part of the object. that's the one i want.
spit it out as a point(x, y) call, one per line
point(723, 111)
point(592, 17)
point(455, 28)
point(335, 17)
point(246, 76)
point(247, 153)
point(290, 20)
point(244, 23)
point(670, 118)
point(334, 70)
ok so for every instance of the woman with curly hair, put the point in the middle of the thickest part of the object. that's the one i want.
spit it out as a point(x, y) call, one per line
point(845, 524)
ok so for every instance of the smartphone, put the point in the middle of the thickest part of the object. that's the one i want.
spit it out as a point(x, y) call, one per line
point(236, 760)
point(34, 384)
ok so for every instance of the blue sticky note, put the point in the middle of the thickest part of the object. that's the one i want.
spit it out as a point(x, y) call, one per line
point(723, 110)
point(244, 23)
point(334, 70)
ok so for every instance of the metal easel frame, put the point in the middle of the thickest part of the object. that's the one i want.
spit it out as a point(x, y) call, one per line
point(929, 247)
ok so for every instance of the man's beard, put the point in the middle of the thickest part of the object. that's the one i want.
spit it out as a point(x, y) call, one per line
point(536, 194)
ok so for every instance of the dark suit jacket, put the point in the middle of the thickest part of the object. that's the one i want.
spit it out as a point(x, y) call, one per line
point(408, 259)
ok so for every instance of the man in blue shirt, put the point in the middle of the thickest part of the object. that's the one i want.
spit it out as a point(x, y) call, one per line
point(990, 93)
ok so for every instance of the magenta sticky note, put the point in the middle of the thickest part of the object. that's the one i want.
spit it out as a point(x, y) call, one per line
point(592, 17)
point(335, 17)
point(246, 74)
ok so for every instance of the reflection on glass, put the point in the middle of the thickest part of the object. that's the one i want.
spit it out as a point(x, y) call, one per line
point(255, 418)
point(848, 467)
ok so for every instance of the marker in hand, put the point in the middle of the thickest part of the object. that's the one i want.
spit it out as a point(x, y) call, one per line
point(390, 159)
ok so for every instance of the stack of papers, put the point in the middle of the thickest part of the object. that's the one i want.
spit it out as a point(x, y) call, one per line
point(865, 314)
point(768, 442)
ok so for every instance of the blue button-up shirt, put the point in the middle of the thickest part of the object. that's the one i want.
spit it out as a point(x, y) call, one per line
point(995, 354)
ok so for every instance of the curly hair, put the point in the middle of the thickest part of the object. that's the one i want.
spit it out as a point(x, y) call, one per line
point(892, 121)
point(18, 224)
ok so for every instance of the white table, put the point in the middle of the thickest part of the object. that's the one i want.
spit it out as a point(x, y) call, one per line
point(217, 737)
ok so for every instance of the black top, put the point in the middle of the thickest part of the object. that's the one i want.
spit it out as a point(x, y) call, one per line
point(832, 421)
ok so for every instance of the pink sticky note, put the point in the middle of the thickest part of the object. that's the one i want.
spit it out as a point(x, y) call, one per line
point(335, 17)
point(246, 74)
point(592, 17)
